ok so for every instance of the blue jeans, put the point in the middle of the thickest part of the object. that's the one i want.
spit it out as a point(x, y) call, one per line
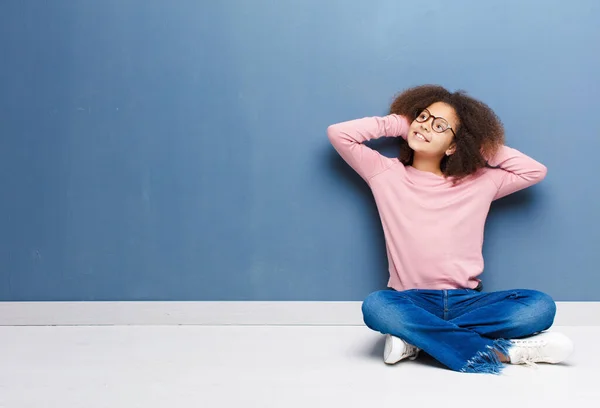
point(461, 328)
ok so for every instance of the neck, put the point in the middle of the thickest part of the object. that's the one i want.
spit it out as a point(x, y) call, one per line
point(428, 164)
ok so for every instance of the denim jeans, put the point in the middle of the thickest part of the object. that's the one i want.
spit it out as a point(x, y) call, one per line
point(461, 328)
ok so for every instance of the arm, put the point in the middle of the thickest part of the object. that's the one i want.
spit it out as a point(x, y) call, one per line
point(514, 171)
point(348, 138)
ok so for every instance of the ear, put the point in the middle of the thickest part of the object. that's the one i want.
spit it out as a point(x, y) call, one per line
point(450, 151)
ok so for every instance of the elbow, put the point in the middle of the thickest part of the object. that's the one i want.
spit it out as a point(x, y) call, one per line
point(333, 133)
point(542, 172)
point(535, 175)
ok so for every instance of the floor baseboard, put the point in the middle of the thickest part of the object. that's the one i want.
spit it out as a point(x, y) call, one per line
point(224, 313)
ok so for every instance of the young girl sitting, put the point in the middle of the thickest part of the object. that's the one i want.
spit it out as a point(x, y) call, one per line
point(433, 202)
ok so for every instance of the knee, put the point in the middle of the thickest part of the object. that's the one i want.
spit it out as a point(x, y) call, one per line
point(538, 312)
point(546, 310)
point(543, 307)
point(381, 310)
point(372, 307)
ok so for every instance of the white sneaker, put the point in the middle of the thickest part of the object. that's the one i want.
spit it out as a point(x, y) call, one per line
point(397, 349)
point(547, 347)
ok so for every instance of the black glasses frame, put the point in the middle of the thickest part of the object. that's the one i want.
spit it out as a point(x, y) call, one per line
point(433, 122)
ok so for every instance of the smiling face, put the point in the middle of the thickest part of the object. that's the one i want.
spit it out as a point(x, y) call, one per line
point(431, 134)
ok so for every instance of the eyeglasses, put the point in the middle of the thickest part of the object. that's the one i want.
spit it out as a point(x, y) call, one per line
point(438, 125)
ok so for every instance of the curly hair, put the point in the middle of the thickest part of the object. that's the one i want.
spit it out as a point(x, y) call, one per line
point(479, 136)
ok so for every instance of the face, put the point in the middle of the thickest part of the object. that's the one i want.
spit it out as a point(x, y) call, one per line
point(428, 137)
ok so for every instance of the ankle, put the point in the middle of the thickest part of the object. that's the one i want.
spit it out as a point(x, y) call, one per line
point(502, 357)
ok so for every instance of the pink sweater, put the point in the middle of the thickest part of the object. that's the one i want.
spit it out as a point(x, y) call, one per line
point(433, 230)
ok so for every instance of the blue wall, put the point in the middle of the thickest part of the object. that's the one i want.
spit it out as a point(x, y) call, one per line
point(177, 150)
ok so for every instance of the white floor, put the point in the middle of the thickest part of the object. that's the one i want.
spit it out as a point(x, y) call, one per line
point(263, 366)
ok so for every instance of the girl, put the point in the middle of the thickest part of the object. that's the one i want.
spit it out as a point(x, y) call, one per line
point(433, 202)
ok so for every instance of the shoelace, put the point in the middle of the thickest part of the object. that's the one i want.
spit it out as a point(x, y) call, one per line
point(529, 351)
point(411, 352)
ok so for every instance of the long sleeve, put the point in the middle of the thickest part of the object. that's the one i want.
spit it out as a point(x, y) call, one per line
point(516, 171)
point(348, 138)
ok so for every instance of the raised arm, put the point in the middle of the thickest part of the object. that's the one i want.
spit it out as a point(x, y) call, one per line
point(514, 171)
point(348, 138)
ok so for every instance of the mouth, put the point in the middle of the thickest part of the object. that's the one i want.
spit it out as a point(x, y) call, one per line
point(420, 137)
